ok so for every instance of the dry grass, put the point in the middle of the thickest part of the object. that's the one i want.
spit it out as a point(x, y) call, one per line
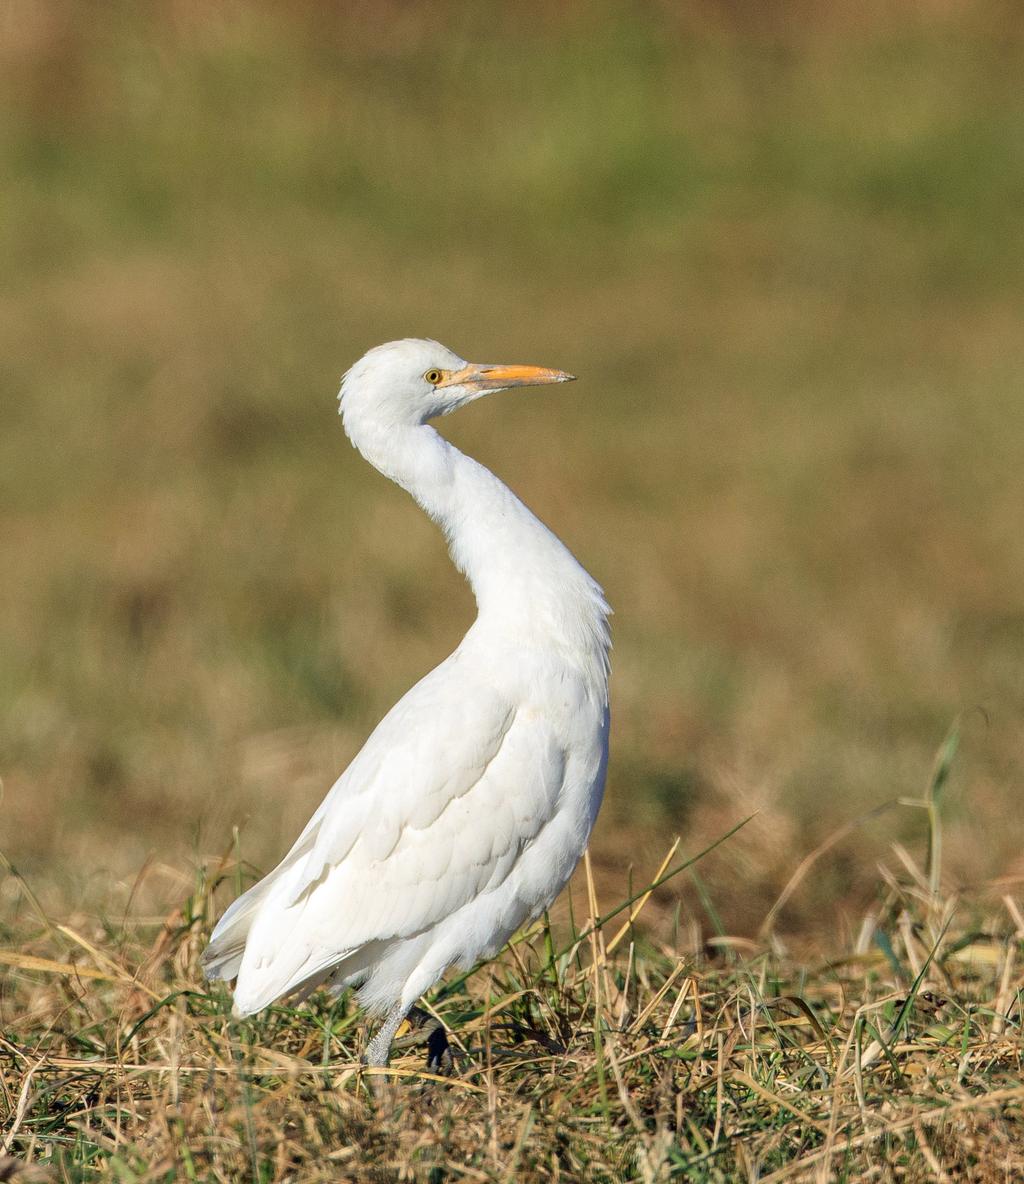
point(596, 1054)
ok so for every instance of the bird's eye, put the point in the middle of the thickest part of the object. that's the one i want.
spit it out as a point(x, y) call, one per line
point(434, 376)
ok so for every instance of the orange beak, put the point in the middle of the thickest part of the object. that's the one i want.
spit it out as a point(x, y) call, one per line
point(480, 377)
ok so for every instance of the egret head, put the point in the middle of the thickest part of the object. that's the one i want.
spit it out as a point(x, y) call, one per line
point(412, 381)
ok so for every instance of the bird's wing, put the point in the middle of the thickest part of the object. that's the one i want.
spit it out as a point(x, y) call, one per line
point(432, 813)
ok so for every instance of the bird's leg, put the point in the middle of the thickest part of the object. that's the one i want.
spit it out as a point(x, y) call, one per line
point(425, 1029)
point(379, 1048)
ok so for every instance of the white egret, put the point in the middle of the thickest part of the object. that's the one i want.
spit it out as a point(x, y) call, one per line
point(470, 804)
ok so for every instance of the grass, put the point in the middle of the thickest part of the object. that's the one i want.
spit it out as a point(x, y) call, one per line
point(783, 250)
point(591, 1054)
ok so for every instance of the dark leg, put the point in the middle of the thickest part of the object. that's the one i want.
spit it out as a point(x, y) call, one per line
point(424, 1029)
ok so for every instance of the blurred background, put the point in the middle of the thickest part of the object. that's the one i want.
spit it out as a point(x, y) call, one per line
point(784, 252)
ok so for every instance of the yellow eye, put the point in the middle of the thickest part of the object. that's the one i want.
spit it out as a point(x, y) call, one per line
point(434, 376)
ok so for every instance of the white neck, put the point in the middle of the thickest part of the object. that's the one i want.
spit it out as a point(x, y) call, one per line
point(526, 582)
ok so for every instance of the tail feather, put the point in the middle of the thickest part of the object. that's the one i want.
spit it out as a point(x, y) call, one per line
point(262, 942)
point(299, 974)
point(223, 956)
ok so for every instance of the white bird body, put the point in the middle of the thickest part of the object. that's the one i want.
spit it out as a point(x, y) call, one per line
point(469, 806)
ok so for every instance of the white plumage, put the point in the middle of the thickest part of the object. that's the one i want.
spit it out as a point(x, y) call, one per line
point(470, 804)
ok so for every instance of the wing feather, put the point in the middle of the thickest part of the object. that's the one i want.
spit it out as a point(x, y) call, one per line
point(434, 811)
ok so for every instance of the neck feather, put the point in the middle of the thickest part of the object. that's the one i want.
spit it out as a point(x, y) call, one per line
point(525, 580)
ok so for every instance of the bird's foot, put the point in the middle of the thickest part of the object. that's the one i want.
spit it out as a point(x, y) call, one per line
point(421, 1028)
